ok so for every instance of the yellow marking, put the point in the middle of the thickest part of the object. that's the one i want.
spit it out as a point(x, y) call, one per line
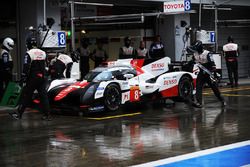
point(227, 90)
point(235, 95)
point(116, 116)
point(3, 114)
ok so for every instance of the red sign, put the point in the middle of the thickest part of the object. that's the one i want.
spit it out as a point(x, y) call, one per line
point(134, 93)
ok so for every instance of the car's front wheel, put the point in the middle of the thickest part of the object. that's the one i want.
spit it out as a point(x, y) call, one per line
point(112, 97)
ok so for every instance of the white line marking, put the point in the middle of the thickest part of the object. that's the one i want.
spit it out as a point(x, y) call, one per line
point(194, 154)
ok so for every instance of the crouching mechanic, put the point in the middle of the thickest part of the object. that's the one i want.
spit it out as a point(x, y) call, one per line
point(60, 64)
point(204, 57)
point(34, 75)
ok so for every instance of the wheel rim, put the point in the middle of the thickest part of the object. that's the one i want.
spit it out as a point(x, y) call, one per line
point(186, 89)
point(112, 98)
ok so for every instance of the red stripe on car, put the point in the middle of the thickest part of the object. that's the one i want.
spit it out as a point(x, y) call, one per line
point(170, 92)
point(69, 89)
point(36, 101)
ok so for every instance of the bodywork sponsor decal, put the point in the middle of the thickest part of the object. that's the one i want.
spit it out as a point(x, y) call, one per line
point(125, 97)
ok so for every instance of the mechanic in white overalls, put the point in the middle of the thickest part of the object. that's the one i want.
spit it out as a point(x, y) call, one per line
point(61, 63)
point(205, 58)
point(142, 52)
point(127, 51)
point(6, 64)
point(231, 53)
point(34, 71)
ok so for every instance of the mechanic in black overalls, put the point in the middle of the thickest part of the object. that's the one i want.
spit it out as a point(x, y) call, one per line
point(34, 70)
point(157, 49)
point(61, 63)
point(127, 51)
point(6, 65)
point(231, 52)
point(204, 57)
point(84, 57)
point(99, 55)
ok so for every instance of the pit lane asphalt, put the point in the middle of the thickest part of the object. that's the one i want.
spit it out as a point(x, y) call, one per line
point(137, 134)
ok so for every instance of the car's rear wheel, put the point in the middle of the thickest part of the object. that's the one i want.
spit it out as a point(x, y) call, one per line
point(185, 88)
point(112, 97)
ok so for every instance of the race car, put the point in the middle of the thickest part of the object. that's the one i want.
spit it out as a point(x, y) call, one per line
point(120, 82)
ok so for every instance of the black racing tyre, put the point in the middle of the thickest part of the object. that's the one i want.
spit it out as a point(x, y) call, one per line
point(112, 97)
point(185, 88)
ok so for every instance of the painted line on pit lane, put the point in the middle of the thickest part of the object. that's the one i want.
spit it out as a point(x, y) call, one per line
point(227, 90)
point(227, 94)
point(235, 95)
point(116, 116)
point(217, 157)
point(224, 90)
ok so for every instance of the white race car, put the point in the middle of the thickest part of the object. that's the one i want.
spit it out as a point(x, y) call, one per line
point(120, 82)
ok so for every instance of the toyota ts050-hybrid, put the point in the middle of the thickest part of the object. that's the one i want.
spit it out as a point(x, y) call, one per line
point(122, 81)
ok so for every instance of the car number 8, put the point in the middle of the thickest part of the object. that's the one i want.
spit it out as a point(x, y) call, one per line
point(136, 94)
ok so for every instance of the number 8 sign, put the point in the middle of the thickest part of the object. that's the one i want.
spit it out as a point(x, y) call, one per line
point(187, 5)
point(61, 38)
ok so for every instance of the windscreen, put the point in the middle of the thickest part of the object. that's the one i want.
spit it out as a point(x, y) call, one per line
point(95, 76)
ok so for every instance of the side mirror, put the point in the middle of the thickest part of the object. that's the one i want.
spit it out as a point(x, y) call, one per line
point(128, 76)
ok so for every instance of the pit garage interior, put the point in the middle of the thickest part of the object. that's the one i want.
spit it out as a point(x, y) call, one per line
point(145, 134)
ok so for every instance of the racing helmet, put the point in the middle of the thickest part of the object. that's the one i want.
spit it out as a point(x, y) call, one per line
point(197, 47)
point(31, 43)
point(8, 43)
point(230, 39)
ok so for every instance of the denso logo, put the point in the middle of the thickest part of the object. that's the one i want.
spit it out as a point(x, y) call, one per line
point(159, 65)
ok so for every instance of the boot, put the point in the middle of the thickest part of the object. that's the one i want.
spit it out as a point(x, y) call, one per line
point(223, 103)
point(197, 105)
point(47, 117)
point(17, 113)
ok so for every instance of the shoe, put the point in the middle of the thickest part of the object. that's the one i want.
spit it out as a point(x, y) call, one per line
point(16, 115)
point(197, 105)
point(223, 103)
point(47, 117)
point(236, 85)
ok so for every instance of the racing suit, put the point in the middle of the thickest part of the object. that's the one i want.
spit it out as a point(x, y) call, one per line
point(58, 67)
point(206, 60)
point(34, 75)
point(127, 52)
point(156, 50)
point(231, 53)
point(6, 66)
